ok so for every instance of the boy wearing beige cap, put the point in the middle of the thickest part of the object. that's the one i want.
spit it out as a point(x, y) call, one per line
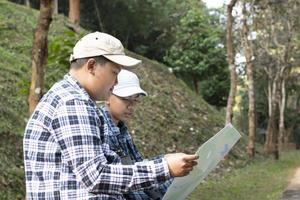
point(66, 154)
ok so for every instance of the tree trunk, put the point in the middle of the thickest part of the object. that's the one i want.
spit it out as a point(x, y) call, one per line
point(293, 123)
point(251, 90)
point(284, 73)
point(39, 53)
point(230, 59)
point(281, 115)
point(271, 145)
point(269, 137)
point(55, 7)
point(74, 11)
point(195, 83)
point(98, 16)
point(27, 3)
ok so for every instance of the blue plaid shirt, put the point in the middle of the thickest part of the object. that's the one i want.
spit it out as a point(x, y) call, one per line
point(67, 154)
point(121, 142)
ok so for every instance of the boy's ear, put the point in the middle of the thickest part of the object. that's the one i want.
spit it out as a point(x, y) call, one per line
point(91, 65)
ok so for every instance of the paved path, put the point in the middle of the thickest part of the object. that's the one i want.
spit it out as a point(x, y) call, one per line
point(292, 192)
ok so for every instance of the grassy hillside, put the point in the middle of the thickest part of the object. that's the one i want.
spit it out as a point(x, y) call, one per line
point(172, 118)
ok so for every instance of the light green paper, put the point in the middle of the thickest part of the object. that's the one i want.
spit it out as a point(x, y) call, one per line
point(210, 154)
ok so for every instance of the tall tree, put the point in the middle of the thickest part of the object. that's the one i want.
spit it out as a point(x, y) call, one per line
point(248, 51)
point(39, 53)
point(230, 59)
point(27, 3)
point(267, 43)
point(74, 11)
point(293, 106)
point(279, 45)
point(55, 7)
point(271, 145)
point(289, 45)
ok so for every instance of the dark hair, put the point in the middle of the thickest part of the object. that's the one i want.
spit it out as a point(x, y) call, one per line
point(78, 63)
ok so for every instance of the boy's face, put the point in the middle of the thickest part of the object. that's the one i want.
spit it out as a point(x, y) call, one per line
point(122, 108)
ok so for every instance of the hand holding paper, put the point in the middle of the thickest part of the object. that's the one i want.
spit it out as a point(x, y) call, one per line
point(181, 164)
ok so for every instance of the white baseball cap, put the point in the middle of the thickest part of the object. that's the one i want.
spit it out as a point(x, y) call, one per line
point(102, 44)
point(128, 85)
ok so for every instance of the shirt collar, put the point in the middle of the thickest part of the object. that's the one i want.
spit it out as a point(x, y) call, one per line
point(81, 92)
point(110, 122)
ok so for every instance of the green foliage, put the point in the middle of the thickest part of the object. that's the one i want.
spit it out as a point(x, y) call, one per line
point(11, 167)
point(17, 24)
point(16, 27)
point(198, 54)
point(215, 90)
point(144, 26)
point(59, 49)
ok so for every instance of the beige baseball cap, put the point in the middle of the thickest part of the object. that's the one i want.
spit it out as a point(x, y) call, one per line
point(102, 44)
point(128, 85)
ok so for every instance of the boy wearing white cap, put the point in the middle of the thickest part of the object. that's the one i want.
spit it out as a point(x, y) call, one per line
point(66, 154)
point(119, 108)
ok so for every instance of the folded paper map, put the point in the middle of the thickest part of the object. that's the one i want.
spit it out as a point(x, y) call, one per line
point(210, 154)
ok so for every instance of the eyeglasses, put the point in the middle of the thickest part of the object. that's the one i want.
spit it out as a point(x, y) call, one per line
point(130, 101)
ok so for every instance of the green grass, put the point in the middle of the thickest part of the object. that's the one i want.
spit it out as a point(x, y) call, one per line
point(17, 25)
point(11, 167)
point(264, 179)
